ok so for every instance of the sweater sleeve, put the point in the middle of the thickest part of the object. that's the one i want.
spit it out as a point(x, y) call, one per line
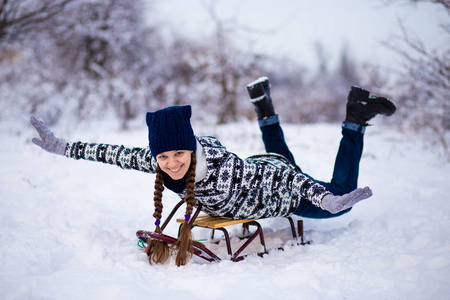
point(126, 158)
point(309, 189)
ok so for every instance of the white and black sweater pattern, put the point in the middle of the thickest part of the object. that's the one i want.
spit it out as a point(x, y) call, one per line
point(260, 186)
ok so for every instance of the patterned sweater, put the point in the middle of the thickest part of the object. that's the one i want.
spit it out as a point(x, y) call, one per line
point(260, 186)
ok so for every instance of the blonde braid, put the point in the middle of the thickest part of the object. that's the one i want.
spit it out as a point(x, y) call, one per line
point(190, 185)
point(185, 241)
point(158, 251)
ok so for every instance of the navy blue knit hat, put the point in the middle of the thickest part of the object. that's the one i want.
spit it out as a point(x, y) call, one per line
point(170, 129)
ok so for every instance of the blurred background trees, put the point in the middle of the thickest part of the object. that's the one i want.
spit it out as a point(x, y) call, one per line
point(422, 90)
point(87, 59)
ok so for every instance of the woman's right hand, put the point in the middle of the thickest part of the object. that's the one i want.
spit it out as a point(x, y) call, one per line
point(47, 140)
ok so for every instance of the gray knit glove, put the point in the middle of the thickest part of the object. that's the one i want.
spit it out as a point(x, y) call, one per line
point(335, 204)
point(48, 141)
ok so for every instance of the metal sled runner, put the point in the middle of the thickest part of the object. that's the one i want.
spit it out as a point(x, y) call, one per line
point(206, 221)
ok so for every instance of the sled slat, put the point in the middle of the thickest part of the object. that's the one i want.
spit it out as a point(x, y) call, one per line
point(214, 223)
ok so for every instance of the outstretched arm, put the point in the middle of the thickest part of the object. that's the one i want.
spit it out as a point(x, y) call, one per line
point(126, 158)
point(321, 197)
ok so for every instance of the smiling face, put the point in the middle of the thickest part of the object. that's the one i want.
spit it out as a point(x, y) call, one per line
point(175, 163)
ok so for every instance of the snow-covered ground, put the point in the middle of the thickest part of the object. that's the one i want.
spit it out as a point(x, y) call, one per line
point(68, 227)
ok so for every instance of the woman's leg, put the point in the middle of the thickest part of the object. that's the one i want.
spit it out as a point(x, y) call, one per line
point(346, 166)
point(272, 134)
point(345, 174)
point(273, 137)
point(360, 109)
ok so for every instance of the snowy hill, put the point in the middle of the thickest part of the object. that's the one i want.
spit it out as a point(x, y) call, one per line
point(68, 227)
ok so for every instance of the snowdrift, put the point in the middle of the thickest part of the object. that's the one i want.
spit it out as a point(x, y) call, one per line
point(68, 227)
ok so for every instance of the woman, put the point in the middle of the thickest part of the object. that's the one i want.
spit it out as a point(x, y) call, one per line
point(201, 170)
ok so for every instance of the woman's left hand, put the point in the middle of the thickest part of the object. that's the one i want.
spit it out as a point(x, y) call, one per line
point(335, 204)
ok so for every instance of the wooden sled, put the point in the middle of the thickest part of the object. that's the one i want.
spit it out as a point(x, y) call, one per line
point(206, 221)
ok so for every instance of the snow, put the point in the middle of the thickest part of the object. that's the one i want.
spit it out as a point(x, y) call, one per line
point(68, 227)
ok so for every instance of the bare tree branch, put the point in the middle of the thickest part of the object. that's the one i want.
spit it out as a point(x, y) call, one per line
point(424, 84)
point(20, 17)
point(444, 3)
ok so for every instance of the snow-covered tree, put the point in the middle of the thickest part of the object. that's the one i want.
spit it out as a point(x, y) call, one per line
point(422, 90)
point(22, 18)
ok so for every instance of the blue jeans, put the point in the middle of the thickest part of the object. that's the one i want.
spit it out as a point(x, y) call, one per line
point(346, 167)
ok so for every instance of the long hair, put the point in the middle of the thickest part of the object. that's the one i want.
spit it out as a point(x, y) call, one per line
point(158, 251)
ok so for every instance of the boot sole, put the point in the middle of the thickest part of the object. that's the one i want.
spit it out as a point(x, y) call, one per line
point(387, 108)
point(259, 80)
point(256, 89)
